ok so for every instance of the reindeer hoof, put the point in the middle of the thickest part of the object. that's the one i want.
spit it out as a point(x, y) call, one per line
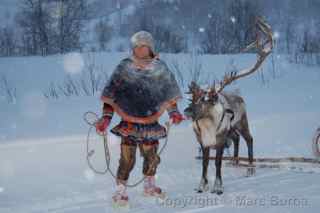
point(217, 187)
point(199, 190)
point(202, 189)
point(251, 172)
point(218, 192)
point(203, 186)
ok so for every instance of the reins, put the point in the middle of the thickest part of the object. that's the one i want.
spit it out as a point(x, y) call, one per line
point(90, 152)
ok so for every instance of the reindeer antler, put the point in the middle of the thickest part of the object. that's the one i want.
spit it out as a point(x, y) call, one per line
point(196, 92)
point(264, 46)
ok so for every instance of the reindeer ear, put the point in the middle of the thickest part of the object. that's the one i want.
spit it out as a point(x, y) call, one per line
point(193, 86)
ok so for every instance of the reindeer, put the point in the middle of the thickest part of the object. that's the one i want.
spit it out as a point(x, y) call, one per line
point(219, 116)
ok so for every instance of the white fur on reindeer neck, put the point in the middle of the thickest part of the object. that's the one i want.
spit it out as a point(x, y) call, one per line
point(210, 127)
point(219, 122)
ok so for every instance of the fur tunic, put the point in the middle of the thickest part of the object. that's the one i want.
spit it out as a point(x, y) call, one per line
point(140, 97)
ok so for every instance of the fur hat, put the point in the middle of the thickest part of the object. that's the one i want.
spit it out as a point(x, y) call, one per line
point(142, 38)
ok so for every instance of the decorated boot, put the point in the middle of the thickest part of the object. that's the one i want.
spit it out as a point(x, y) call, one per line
point(151, 190)
point(120, 197)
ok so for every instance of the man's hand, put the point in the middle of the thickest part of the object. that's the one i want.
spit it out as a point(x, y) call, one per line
point(102, 124)
point(176, 117)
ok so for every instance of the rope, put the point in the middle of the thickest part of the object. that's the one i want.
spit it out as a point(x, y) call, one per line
point(90, 153)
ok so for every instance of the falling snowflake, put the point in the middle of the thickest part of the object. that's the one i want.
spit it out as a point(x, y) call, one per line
point(276, 35)
point(233, 19)
point(1, 189)
point(89, 175)
point(56, 11)
point(201, 29)
point(209, 15)
point(73, 63)
point(14, 126)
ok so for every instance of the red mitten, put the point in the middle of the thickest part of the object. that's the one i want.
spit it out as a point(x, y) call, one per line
point(176, 117)
point(102, 125)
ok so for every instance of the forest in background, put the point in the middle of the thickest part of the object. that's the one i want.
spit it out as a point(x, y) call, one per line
point(46, 27)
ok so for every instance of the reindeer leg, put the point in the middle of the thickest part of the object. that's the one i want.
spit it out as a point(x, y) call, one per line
point(251, 170)
point(236, 139)
point(204, 186)
point(249, 141)
point(218, 187)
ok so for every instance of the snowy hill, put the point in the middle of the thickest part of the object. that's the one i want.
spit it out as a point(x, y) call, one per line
point(42, 142)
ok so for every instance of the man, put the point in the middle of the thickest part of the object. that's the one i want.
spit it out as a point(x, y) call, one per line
point(140, 89)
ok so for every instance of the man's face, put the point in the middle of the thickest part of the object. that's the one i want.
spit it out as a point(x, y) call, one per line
point(142, 52)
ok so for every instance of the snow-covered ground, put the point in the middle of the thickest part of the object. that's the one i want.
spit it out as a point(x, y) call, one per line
point(43, 152)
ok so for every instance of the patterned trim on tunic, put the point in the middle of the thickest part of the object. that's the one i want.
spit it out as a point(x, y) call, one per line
point(140, 132)
point(130, 142)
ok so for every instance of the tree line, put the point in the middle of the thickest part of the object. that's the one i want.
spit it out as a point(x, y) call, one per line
point(45, 27)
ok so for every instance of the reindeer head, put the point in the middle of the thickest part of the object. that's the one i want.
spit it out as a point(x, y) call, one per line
point(201, 102)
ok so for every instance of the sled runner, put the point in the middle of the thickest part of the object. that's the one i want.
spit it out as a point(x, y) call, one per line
point(291, 163)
